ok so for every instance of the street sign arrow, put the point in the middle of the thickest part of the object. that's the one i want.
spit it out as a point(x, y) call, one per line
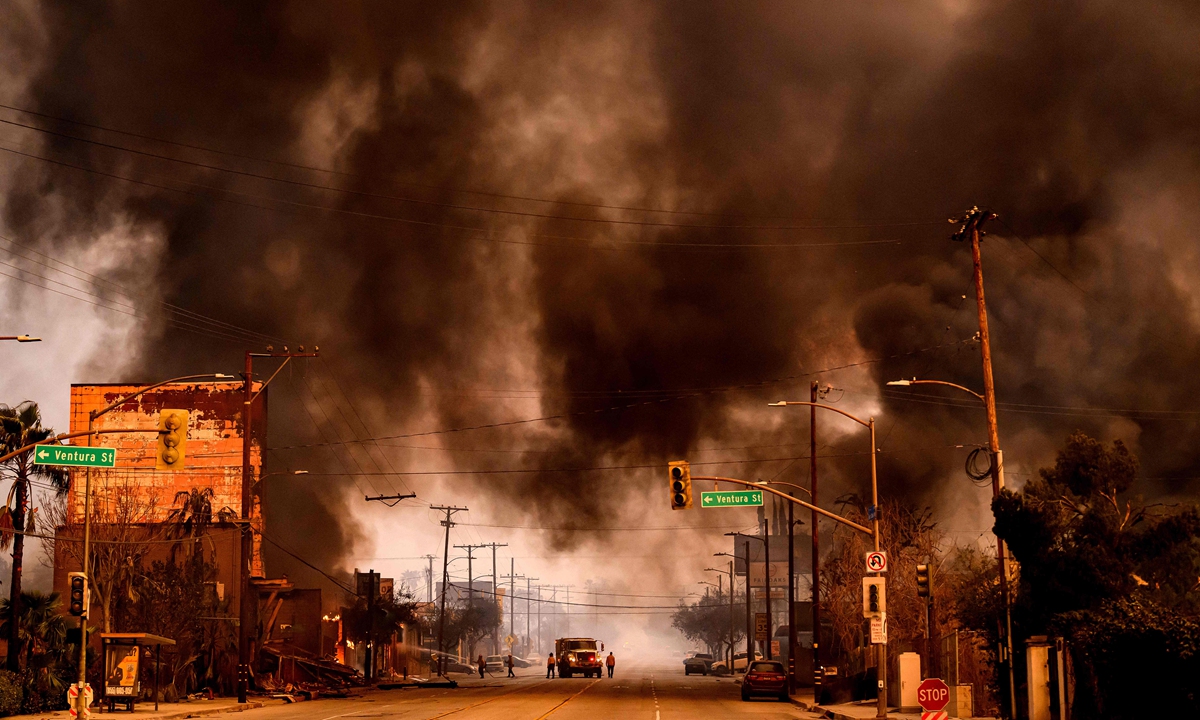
point(731, 498)
point(75, 456)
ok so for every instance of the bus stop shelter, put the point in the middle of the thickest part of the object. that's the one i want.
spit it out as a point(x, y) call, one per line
point(122, 666)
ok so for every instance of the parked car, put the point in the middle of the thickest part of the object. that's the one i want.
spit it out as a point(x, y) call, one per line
point(698, 663)
point(495, 664)
point(739, 664)
point(766, 677)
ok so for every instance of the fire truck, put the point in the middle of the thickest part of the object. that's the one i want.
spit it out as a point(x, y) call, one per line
point(577, 656)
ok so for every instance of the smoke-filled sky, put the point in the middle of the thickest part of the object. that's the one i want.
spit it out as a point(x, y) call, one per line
point(639, 220)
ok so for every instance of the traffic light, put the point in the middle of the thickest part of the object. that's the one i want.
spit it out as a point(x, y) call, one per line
point(874, 597)
point(681, 485)
point(78, 600)
point(924, 587)
point(172, 439)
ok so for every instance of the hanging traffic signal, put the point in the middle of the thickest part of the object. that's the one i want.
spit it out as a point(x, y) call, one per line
point(78, 599)
point(924, 587)
point(681, 485)
point(172, 439)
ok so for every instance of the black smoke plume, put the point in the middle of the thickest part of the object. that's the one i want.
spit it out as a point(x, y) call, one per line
point(860, 129)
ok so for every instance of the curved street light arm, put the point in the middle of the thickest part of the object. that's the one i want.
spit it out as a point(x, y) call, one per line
point(789, 498)
point(780, 482)
point(915, 381)
point(97, 413)
point(785, 403)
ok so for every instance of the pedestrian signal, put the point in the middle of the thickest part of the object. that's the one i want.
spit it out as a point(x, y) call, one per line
point(924, 587)
point(172, 439)
point(77, 604)
point(681, 485)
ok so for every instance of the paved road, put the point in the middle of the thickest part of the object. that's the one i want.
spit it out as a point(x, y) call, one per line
point(642, 692)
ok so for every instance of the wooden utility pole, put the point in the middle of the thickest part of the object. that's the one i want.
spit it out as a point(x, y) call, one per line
point(791, 599)
point(972, 228)
point(248, 604)
point(818, 673)
point(447, 523)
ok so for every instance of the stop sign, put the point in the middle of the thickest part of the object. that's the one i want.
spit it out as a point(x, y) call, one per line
point(933, 694)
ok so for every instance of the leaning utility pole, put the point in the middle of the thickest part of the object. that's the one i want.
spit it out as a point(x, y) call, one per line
point(247, 605)
point(972, 227)
point(447, 523)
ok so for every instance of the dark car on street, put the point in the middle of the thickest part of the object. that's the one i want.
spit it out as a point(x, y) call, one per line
point(698, 663)
point(765, 677)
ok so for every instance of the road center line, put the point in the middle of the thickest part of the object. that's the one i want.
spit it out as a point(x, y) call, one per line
point(355, 712)
point(491, 699)
point(564, 702)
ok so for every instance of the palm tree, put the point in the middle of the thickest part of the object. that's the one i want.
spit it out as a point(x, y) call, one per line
point(192, 516)
point(21, 426)
point(42, 632)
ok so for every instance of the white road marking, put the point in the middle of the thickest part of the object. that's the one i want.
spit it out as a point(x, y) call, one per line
point(355, 712)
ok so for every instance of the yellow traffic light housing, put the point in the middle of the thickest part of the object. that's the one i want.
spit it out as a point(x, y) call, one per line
point(874, 597)
point(77, 603)
point(924, 585)
point(680, 476)
point(172, 439)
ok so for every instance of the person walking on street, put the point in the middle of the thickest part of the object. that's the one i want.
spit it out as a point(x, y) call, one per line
point(550, 666)
point(482, 666)
point(611, 662)
point(510, 666)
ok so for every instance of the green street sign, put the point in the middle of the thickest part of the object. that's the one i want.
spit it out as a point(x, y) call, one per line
point(75, 456)
point(731, 498)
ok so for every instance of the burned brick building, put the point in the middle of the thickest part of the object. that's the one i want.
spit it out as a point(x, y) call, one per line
point(141, 514)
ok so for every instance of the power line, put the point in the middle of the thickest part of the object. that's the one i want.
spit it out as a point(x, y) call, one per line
point(101, 282)
point(483, 234)
point(687, 394)
point(525, 198)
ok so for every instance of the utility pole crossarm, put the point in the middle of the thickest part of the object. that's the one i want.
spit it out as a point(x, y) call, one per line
point(789, 498)
point(389, 500)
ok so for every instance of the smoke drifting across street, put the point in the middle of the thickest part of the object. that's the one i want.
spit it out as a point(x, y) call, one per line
point(642, 220)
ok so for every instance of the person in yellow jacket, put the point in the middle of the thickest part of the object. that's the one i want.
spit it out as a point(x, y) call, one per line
point(611, 662)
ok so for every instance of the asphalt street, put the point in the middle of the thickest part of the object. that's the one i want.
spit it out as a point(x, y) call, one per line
point(645, 691)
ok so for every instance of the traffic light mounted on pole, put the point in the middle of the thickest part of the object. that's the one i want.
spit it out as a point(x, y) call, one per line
point(874, 597)
point(78, 600)
point(680, 475)
point(172, 439)
point(924, 584)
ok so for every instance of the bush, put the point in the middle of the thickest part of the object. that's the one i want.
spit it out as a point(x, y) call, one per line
point(1134, 659)
point(10, 693)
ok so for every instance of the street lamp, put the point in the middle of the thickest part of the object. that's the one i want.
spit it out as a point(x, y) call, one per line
point(20, 338)
point(997, 472)
point(791, 593)
point(730, 571)
point(873, 515)
point(749, 612)
point(87, 497)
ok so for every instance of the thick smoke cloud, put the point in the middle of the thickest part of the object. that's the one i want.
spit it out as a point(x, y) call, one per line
point(1077, 122)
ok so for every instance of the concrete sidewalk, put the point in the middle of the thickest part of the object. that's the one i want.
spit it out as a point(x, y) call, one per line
point(146, 711)
point(847, 711)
